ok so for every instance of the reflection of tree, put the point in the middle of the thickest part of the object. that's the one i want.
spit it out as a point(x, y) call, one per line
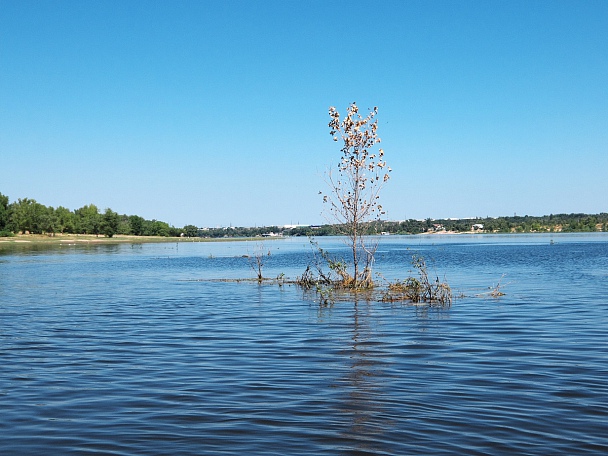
point(423, 314)
point(363, 403)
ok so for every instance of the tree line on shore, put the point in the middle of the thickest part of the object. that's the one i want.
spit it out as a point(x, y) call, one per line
point(553, 223)
point(27, 215)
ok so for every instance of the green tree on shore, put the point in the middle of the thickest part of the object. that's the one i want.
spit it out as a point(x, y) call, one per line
point(65, 220)
point(109, 223)
point(4, 213)
point(137, 225)
point(21, 215)
point(191, 231)
point(28, 216)
point(47, 219)
point(88, 220)
point(157, 228)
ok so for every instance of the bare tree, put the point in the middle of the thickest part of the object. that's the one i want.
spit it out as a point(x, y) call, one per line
point(257, 261)
point(353, 198)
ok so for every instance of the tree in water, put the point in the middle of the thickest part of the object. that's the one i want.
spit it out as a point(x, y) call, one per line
point(354, 196)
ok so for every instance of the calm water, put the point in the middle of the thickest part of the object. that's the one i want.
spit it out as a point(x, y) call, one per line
point(129, 349)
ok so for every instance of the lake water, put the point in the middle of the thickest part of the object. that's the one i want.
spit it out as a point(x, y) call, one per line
point(132, 349)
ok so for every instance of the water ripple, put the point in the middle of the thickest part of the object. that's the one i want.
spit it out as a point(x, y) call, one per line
point(119, 352)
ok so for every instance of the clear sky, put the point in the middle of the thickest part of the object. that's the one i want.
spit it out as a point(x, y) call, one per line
point(214, 113)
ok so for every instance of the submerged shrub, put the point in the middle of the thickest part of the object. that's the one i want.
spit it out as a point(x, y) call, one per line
point(338, 276)
point(419, 289)
point(337, 281)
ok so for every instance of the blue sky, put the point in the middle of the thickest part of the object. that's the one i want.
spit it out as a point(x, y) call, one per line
point(214, 113)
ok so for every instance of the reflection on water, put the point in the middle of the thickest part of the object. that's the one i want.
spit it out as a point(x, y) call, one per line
point(363, 383)
point(124, 350)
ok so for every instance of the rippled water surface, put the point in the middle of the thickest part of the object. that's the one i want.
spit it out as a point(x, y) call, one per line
point(131, 349)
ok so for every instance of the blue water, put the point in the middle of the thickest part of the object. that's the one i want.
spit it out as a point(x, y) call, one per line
point(135, 349)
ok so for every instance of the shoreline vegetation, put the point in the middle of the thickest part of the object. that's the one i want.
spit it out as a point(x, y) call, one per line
point(84, 239)
point(25, 220)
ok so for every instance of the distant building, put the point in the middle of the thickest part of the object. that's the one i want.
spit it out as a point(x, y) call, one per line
point(291, 227)
point(478, 226)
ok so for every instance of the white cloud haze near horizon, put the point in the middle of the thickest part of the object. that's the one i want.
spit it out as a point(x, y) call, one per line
point(215, 113)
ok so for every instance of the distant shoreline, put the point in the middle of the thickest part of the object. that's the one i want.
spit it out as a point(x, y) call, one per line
point(84, 239)
point(91, 239)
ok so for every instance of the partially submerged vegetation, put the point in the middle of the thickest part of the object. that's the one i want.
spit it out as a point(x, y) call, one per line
point(257, 260)
point(329, 279)
point(419, 289)
point(354, 204)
